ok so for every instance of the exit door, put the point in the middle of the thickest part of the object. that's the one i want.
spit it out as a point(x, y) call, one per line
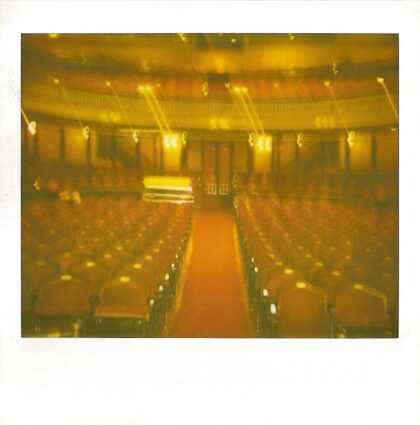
point(217, 168)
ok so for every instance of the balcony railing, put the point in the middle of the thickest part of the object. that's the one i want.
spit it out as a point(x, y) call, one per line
point(102, 108)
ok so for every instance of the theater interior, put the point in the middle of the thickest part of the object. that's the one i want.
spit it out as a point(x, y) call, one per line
point(209, 185)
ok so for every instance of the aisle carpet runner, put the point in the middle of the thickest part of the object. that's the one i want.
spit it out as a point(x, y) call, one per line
point(213, 303)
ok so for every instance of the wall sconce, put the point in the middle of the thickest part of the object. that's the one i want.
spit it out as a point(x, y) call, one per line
point(136, 136)
point(350, 138)
point(31, 124)
point(184, 139)
point(299, 139)
point(170, 140)
point(265, 143)
point(86, 132)
point(273, 309)
point(32, 128)
point(205, 89)
point(251, 139)
point(334, 67)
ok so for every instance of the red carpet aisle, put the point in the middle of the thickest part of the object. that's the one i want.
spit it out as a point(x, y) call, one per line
point(213, 303)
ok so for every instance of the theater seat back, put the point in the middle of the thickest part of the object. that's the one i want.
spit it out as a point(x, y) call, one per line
point(303, 313)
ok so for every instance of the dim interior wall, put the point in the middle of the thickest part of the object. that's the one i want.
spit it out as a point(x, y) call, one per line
point(240, 157)
point(312, 146)
point(147, 148)
point(386, 152)
point(332, 164)
point(262, 160)
point(194, 156)
point(29, 140)
point(225, 153)
point(75, 146)
point(342, 152)
point(95, 159)
point(48, 143)
point(160, 156)
point(309, 152)
point(360, 152)
point(172, 157)
point(287, 152)
point(127, 147)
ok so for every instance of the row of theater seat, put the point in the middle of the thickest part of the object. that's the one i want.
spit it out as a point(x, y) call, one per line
point(55, 179)
point(190, 87)
point(103, 263)
point(319, 268)
point(381, 189)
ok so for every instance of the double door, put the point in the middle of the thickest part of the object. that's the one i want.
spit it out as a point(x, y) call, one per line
point(217, 168)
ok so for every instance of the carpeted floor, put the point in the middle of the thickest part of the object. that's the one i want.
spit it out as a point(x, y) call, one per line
point(213, 303)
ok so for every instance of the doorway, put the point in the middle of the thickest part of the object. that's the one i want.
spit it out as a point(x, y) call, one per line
point(217, 168)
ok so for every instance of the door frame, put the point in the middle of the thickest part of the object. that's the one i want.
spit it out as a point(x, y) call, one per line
point(220, 188)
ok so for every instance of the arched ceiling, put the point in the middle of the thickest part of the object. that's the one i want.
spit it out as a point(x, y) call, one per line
point(272, 66)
